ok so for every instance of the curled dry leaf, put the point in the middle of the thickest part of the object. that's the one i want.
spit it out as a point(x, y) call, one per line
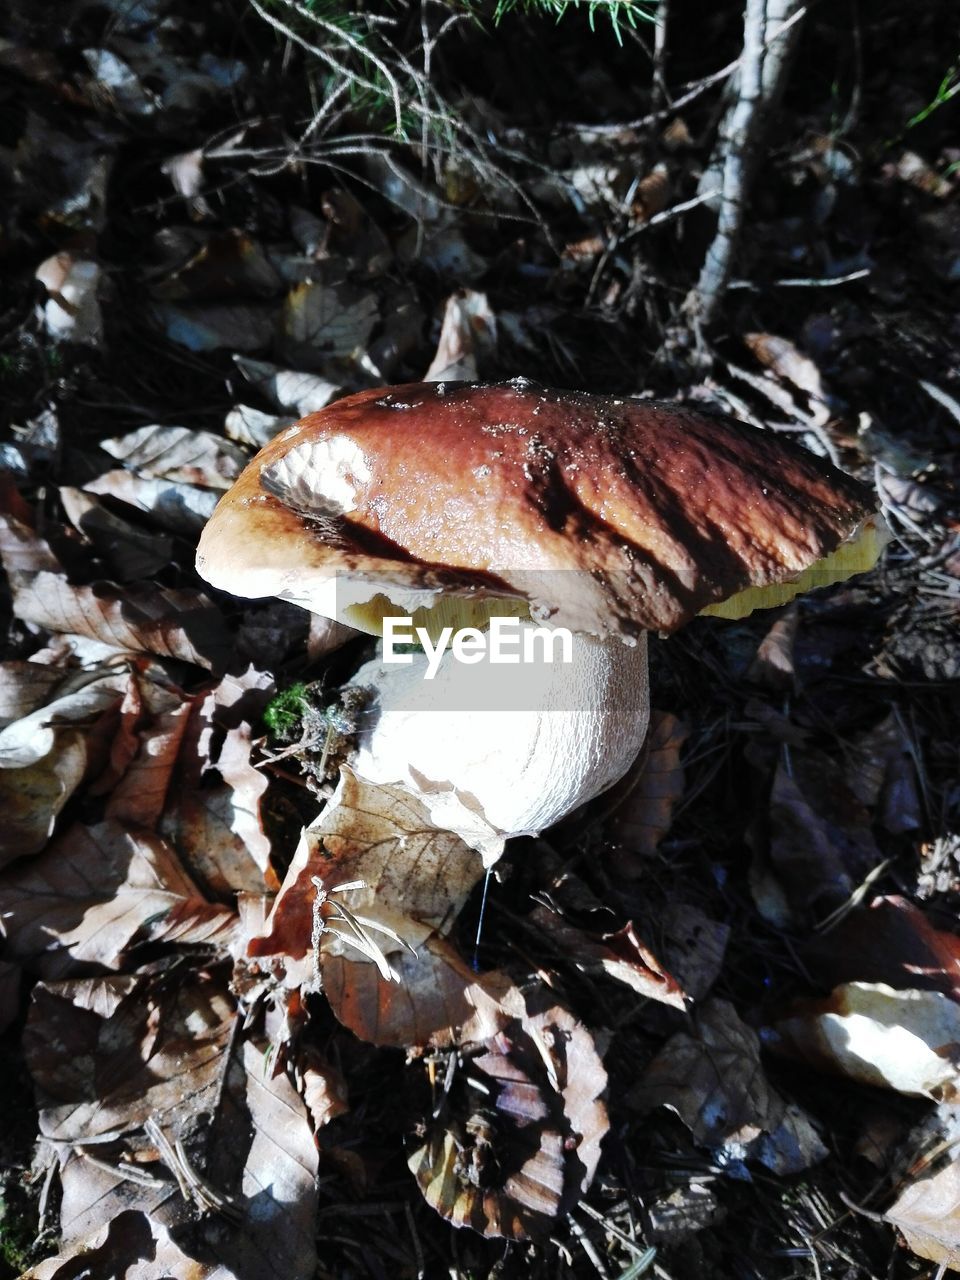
point(469, 327)
point(415, 878)
point(386, 969)
point(782, 358)
point(927, 1214)
point(253, 427)
point(98, 891)
point(180, 455)
point(903, 1040)
point(621, 955)
point(45, 755)
point(211, 811)
point(517, 1138)
point(24, 686)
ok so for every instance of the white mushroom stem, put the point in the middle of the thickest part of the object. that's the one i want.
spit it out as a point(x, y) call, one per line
point(496, 751)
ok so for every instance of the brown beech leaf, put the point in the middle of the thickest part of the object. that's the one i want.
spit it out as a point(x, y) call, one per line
point(927, 1214)
point(425, 1004)
point(783, 359)
point(692, 946)
point(712, 1077)
point(130, 1246)
point(469, 326)
point(903, 1040)
point(892, 942)
point(137, 618)
point(643, 803)
point(517, 1138)
point(212, 807)
point(179, 454)
point(177, 507)
point(415, 878)
point(128, 551)
point(320, 320)
point(31, 798)
point(621, 955)
point(773, 663)
point(24, 686)
point(141, 1064)
point(139, 796)
point(96, 892)
point(107, 1053)
point(45, 755)
point(821, 844)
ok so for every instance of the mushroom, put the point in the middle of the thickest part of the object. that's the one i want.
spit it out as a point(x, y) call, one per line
point(510, 505)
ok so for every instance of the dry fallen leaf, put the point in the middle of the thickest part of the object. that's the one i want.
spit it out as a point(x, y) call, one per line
point(783, 358)
point(712, 1077)
point(140, 617)
point(415, 878)
point(44, 756)
point(321, 320)
point(385, 967)
point(469, 326)
point(903, 1040)
point(128, 552)
point(517, 1138)
point(179, 508)
point(211, 811)
point(95, 892)
point(180, 455)
point(155, 1075)
point(621, 955)
point(892, 942)
point(927, 1214)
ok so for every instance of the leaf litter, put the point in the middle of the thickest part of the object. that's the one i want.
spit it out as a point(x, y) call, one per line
point(776, 884)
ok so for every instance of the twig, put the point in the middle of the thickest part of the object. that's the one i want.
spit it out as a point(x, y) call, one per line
point(739, 142)
point(694, 90)
point(822, 282)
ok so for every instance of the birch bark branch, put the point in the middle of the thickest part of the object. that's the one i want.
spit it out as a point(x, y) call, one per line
point(758, 87)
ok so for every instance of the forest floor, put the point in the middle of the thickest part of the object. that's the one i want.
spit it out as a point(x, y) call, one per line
point(210, 230)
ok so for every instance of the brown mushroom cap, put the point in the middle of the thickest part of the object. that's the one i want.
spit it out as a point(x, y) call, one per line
point(608, 515)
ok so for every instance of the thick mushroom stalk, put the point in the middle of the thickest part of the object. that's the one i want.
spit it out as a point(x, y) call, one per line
point(500, 751)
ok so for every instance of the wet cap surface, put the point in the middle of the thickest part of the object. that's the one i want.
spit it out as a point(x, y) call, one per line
point(609, 515)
